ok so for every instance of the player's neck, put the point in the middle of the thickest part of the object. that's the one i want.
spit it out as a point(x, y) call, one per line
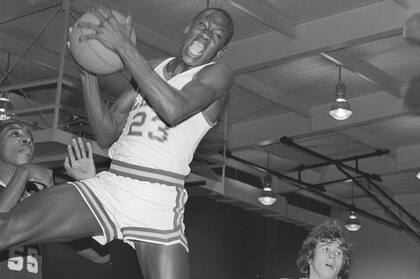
point(175, 67)
point(6, 171)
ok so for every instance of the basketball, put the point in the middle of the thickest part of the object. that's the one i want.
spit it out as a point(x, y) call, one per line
point(91, 54)
point(411, 29)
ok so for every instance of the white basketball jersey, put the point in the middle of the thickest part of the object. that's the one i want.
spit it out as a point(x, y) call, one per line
point(146, 140)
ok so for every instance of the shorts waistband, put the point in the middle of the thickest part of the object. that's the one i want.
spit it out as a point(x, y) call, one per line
point(147, 174)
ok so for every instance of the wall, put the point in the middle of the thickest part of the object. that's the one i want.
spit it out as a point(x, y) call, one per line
point(227, 242)
point(380, 253)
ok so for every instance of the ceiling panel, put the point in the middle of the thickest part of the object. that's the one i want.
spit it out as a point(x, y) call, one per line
point(306, 10)
point(399, 131)
point(334, 145)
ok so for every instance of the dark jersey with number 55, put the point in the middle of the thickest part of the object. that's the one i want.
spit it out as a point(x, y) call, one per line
point(21, 262)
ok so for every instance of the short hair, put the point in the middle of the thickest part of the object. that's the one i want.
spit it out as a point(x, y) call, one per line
point(225, 14)
point(8, 123)
point(328, 231)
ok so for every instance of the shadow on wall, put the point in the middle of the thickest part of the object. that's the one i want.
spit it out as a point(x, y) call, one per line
point(228, 242)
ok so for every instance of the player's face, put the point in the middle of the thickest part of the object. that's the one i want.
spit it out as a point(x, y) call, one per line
point(205, 38)
point(327, 261)
point(16, 145)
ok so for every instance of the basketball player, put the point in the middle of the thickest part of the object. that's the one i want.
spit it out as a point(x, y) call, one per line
point(325, 253)
point(152, 133)
point(16, 170)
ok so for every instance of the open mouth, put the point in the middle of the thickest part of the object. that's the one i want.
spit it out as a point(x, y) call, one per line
point(26, 149)
point(196, 49)
point(330, 266)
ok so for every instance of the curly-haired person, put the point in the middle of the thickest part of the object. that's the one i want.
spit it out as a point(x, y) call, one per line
point(325, 253)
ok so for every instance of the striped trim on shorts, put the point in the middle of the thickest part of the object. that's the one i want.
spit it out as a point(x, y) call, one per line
point(147, 174)
point(110, 227)
point(173, 236)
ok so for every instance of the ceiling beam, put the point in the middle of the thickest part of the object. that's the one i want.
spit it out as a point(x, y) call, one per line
point(345, 29)
point(267, 14)
point(366, 70)
point(366, 109)
point(39, 55)
point(28, 10)
point(366, 139)
point(402, 3)
point(252, 85)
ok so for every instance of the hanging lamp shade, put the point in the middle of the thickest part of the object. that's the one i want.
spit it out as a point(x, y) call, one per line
point(267, 195)
point(340, 109)
point(352, 223)
point(5, 106)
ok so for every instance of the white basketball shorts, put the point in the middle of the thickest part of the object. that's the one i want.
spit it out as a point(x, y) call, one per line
point(135, 203)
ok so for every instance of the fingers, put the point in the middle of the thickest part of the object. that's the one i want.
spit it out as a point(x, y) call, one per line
point(71, 154)
point(87, 37)
point(100, 13)
point(96, 29)
point(77, 150)
point(90, 151)
point(66, 163)
point(81, 147)
point(89, 25)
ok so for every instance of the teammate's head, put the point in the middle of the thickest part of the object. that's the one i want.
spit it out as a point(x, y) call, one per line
point(325, 253)
point(207, 36)
point(16, 144)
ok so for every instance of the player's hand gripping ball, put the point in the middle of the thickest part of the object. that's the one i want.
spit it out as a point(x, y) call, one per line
point(91, 54)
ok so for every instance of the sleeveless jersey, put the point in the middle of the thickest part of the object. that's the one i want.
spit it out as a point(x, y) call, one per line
point(21, 262)
point(146, 140)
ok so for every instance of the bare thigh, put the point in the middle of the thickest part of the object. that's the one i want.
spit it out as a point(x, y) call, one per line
point(55, 214)
point(162, 262)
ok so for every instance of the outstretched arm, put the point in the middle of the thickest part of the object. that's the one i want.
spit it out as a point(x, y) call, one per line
point(106, 123)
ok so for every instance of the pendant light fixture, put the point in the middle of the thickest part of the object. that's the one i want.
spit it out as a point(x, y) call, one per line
point(352, 223)
point(341, 109)
point(267, 195)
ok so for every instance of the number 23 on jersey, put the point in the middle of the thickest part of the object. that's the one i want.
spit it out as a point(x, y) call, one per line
point(144, 125)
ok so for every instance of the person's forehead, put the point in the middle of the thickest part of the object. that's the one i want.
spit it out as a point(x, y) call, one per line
point(14, 126)
point(216, 17)
point(332, 242)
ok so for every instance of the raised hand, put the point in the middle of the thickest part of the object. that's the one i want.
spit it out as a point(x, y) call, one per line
point(79, 164)
point(110, 32)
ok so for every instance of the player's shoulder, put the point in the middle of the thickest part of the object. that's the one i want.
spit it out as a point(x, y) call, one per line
point(217, 69)
point(219, 66)
point(219, 74)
